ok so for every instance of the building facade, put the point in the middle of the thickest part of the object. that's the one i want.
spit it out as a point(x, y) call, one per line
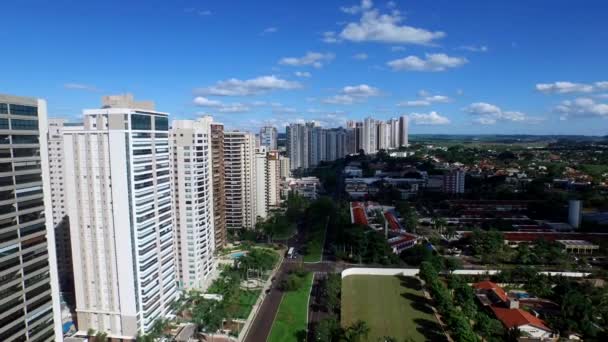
point(268, 137)
point(261, 180)
point(118, 176)
point(29, 304)
point(192, 193)
point(239, 163)
point(218, 172)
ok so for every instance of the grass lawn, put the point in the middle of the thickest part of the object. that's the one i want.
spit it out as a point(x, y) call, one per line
point(245, 303)
point(391, 306)
point(292, 319)
point(314, 245)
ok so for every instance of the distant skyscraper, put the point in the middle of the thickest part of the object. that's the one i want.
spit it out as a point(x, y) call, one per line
point(297, 145)
point(239, 162)
point(192, 194)
point(394, 140)
point(273, 180)
point(453, 182)
point(121, 223)
point(369, 136)
point(29, 300)
point(403, 131)
point(261, 179)
point(268, 137)
point(284, 167)
point(219, 180)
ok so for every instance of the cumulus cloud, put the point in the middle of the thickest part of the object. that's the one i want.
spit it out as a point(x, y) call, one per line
point(365, 5)
point(353, 94)
point(315, 59)
point(360, 56)
point(489, 114)
point(304, 74)
point(565, 87)
point(582, 106)
point(254, 86)
point(374, 26)
point(432, 118)
point(221, 107)
point(432, 62)
point(425, 99)
point(473, 48)
point(80, 86)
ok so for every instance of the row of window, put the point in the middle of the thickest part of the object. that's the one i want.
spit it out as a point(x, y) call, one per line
point(16, 109)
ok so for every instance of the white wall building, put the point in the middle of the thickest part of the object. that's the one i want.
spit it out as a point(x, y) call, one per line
point(239, 160)
point(369, 136)
point(117, 175)
point(273, 180)
point(192, 191)
point(284, 167)
point(268, 137)
point(261, 180)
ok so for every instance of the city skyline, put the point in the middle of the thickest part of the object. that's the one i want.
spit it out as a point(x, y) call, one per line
point(453, 68)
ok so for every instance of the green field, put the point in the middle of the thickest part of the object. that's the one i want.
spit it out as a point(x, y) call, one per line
point(391, 306)
point(292, 319)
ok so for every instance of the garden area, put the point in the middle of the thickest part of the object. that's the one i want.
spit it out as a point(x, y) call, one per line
point(391, 306)
point(291, 320)
point(230, 298)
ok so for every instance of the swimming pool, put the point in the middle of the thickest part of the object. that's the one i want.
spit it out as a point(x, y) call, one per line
point(237, 255)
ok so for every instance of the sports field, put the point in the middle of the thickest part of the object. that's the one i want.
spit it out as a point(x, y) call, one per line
point(391, 306)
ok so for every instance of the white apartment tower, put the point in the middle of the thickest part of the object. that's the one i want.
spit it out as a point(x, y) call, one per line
point(121, 222)
point(369, 136)
point(273, 180)
point(239, 164)
point(192, 193)
point(261, 180)
point(284, 167)
point(268, 137)
point(29, 290)
point(403, 130)
point(297, 145)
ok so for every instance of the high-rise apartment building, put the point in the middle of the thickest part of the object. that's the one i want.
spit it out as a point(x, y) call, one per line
point(453, 182)
point(297, 145)
point(29, 300)
point(284, 167)
point(261, 180)
point(273, 180)
point(317, 144)
point(403, 130)
point(192, 193)
point(121, 224)
point(393, 127)
point(369, 136)
point(219, 178)
point(268, 137)
point(239, 163)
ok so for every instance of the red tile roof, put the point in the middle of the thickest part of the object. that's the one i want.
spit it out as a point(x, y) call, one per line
point(392, 220)
point(517, 317)
point(488, 285)
point(359, 213)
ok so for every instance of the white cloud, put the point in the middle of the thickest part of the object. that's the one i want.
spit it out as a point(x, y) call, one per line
point(365, 5)
point(254, 86)
point(391, 4)
point(330, 37)
point(304, 74)
point(397, 48)
point(201, 101)
point(80, 86)
point(490, 114)
point(360, 56)
point(583, 106)
point(353, 94)
point(432, 118)
point(384, 28)
point(564, 87)
point(432, 62)
point(269, 30)
point(315, 59)
point(425, 99)
point(473, 48)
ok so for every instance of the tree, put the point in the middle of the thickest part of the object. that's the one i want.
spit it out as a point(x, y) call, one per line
point(356, 331)
point(328, 330)
point(487, 244)
point(101, 336)
point(488, 327)
point(439, 224)
point(451, 264)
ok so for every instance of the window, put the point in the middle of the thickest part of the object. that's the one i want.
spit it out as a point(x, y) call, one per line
point(161, 123)
point(25, 139)
point(3, 108)
point(3, 123)
point(141, 122)
point(24, 124)
point(4, 139)
point(24, 110)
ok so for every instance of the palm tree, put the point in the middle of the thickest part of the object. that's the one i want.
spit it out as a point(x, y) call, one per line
point(439, 224)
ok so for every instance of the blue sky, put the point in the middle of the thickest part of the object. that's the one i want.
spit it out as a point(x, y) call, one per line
point(537, 67)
